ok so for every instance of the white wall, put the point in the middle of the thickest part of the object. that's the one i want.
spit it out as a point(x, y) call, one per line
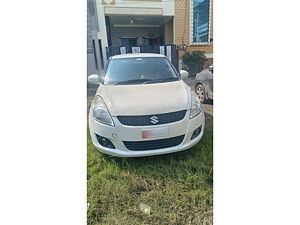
point(166, 8)
point(166, 5)
point(102, 34)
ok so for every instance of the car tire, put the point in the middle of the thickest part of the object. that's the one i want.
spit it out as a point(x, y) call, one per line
point(200, 91)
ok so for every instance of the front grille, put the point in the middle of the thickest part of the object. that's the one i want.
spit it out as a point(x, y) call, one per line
point(154, 144)
point(154, 119)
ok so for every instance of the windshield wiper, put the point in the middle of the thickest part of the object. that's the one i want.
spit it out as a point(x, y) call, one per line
point(134, 81)
point(161, 80)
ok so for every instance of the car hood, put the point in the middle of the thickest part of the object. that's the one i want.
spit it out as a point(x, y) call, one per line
point(144, 99)
point(204, 75)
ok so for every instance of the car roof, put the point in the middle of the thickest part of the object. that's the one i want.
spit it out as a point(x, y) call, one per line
point(135, 55)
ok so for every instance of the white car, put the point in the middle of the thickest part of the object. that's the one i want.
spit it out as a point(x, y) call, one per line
point(143, 107)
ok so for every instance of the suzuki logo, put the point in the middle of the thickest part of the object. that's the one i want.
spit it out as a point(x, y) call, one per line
point(154, 119)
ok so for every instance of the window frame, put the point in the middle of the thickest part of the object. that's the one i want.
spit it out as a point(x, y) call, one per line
point(192, 24)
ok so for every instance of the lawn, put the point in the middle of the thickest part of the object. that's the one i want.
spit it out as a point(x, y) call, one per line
point(178, 187)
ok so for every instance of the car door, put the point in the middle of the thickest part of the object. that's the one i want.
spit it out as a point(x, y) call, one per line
point(210, 86)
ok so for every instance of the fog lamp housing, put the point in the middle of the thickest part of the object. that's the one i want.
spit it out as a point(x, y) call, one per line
point(105, 142)
point(196, 132)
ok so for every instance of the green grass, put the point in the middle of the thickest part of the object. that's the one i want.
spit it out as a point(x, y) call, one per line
point(178, 187)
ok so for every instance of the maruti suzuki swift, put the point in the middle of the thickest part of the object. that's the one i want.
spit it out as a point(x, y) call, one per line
point(143, 107)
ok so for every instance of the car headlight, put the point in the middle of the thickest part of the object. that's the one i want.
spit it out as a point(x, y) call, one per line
point(100, 112)
point(196, 106)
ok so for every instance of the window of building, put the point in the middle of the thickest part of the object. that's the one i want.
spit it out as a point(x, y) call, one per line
point(200, 21)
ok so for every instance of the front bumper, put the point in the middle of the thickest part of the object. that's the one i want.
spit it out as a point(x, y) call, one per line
point(120, 133)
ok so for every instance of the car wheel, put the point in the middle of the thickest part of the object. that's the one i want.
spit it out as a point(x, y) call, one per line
point(200, 91)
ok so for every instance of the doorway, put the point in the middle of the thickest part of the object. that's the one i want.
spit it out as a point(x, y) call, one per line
point(128, 42)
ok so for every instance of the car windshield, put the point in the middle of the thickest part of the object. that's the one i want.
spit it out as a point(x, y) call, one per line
point(139, 70)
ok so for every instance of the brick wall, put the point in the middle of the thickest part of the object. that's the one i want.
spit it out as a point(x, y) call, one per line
point(182, 27)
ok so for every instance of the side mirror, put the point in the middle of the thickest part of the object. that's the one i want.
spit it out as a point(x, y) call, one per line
point(94, 79)
point(184, 74)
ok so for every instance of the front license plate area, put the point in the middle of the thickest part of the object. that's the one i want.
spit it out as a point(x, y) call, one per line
point(155, 132)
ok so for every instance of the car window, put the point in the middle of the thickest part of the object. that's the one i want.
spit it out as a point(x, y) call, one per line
point(139, 70)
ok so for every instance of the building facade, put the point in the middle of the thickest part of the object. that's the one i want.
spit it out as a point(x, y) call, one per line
point(95, 58)
point(194, 27)
point(153, 23)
